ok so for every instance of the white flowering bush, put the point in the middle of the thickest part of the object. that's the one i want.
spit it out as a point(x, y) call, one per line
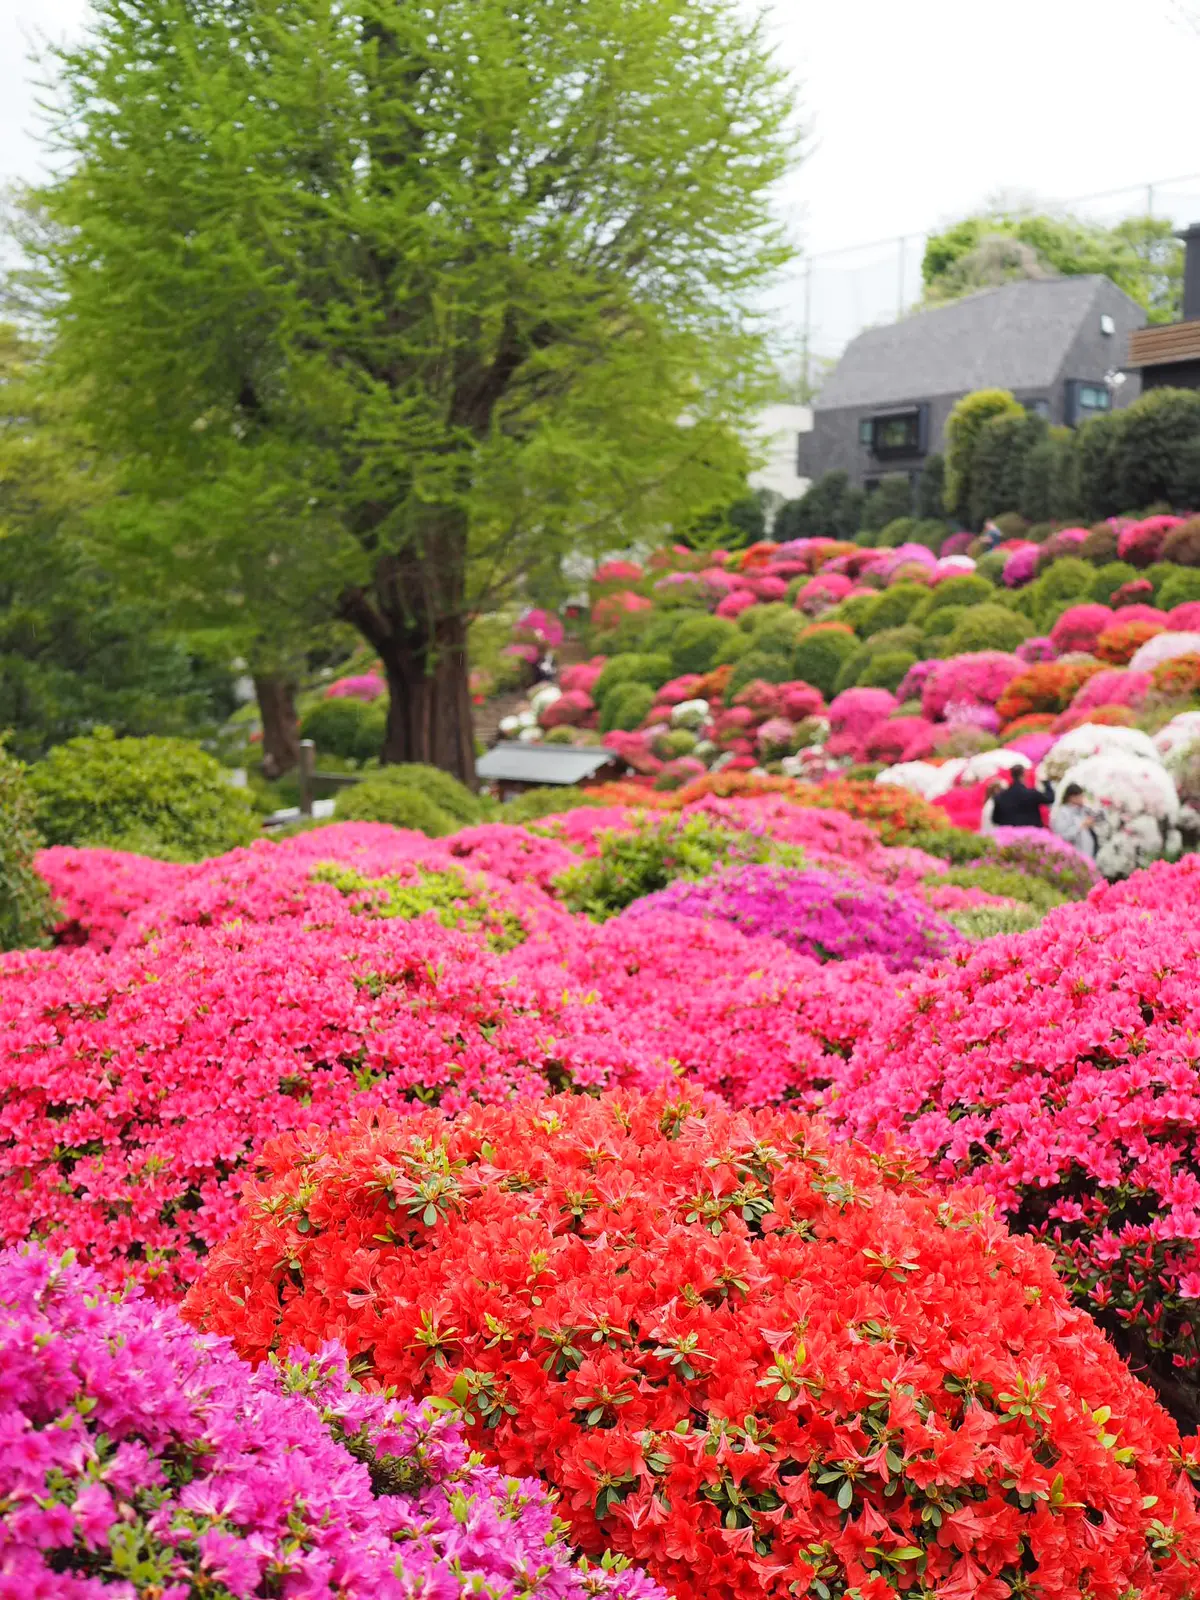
point(1181, 730)
point(691, 714)
point(1091, 739)
point(1164, 647)
point(922, 777)
point(990, 764)
point(1134, 808)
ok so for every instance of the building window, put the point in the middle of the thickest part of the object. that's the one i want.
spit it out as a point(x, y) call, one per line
point(895, 433)
point(866, 431)
point(1086, 400)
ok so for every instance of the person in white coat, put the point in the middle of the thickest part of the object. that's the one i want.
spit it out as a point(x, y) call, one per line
point(1071, 820)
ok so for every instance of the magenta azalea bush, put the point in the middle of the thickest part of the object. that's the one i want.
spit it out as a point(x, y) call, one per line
point(824, 915)
point(140, 1458)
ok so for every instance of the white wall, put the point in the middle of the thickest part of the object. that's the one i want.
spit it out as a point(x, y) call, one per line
point(775, 435)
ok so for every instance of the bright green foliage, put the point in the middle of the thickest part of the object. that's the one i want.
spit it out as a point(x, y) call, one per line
point(771, 666)
point(157, 797)
point(529, 808)
point(896, 533)
point(1066, 581)
point(446, 792)
point(963, 429)
point(779, 634)
point(1183, 585)
point(625, 706)
point(1108, 580)
point(998, 463)
point(1154, 430)
point(990, 565)
point(630, 865)
point(75, 650)
point(390, 304)
point(25, 906)
point(1025, 887)
point(931, 489)
point(755, 618)
point(940, 625)
point(455, 898)
point(969, 590)
point(346, 728)
point(955, 845)
point(386, 796)
point(634, 667)
point(886, 669)
point(854, 609)
point(1140, 254)
point(986, 627)
point(818, 659)
point(985, 922)
point(696, 645)
point(892, 608)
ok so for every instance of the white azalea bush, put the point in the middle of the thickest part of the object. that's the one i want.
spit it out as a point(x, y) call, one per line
point(1092, 739)
point(1164, 647)
point(1134, 808)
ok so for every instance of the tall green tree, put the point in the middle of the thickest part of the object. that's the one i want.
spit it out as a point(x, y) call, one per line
point(386, 302)
point(1140, 254)
point(76, 648)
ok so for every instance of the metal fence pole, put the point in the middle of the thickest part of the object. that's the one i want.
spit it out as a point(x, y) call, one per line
point(308, 765)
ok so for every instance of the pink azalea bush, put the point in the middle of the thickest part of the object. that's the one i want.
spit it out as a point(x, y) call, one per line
point(971, 680)
point(853, 715)
point(134, 1445)
point(368, 686)
point(96, 891)
point(1080, 626)
point(824, 915)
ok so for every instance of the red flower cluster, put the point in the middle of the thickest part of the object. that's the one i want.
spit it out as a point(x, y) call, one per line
point(98, 890)
point(1119, 644)
point(135, 1088)
point(756, 1364)
point(1060, 1069)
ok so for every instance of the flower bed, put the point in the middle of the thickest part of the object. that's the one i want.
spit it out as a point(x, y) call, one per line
point(743, 1357)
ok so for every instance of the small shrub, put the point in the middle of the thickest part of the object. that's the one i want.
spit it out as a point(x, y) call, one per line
point(1049, 686)
point(897, 532)
point(446, 792)
point(650, 668)
point(990, 564)
point(1112, 576)
point(696, 645)
point(987, 922)
point(817, 659)
point(347, 728)
point(537, 803)
point(986, 627)
point(1009, 882)
point(1182, 545)
point(969, 590)
point(1154, 430)
point(770, 666)
point(887, 669)
point(892, 608)
point(891, 500)
point(1100, 546)
point(625, 706)
point(385, 796)
point(25, 905)
point(1180, 589)
point(157, 797)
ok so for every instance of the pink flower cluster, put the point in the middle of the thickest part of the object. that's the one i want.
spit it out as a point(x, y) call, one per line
point(367, 686)
point(131, 1445)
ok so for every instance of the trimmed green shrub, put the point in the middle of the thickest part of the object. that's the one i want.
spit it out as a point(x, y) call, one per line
point(818, 659)
point(986, 627)
point(964, 427)
point(955, 845)
point(698, 642)
point(535, 804)
point(1012, 525)
point(1098, 449)
point(886, 669)
point(158, 797)
point(867, 538)
point(1155, 429)
point(664, 628)
point(969, 590)
point(930, 532)
point(772, 666)
point(387, 796)
point(853, 610)
point(1048, 478)
point(1068, 579)
point(26, 912)
point(625, 705)
point(985, 922)
point(633, 667)
point(931, 488)
point(892, 607)
point(759, 617)
point(896, 533)
point(1181, 587)
point(893, 499)
point(998, 463)
point(1109, 579)
point(734, 648)
point(830, 509)
point(348, 729)
point(446, 792)
point(780, 633)
point(1014, 885)
point(940, 626)
point(1156, 574)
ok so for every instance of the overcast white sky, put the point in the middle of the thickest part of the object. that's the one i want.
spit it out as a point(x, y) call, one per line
point(919, 109)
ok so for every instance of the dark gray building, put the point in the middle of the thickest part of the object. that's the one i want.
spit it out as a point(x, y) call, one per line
point(1055, 343)
point(1168, 355)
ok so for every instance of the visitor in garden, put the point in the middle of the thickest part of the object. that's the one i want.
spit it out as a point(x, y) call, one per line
point(1020, 805)
point(1072, 821)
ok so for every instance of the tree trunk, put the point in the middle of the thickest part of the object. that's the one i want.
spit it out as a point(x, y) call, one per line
point(280, 725)
point(429, 713)
point(414, 616)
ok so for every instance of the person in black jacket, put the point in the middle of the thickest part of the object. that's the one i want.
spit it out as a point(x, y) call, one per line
point(1020, 806)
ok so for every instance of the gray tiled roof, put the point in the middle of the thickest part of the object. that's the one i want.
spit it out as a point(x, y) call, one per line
point(542, 763)
point(1015, 337)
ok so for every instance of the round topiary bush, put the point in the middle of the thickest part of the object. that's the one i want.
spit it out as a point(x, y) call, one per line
point(985, 627)
point(156, 797)
point(625, 706)
point(696, 645)
point(892, 608)
point(653, 669)
point(969, 590)
point(384, 796)
point(1180, 589)
point(886, 669)
point(1100, 546)
point(445, 790)
point(738, 1353)
point(818, 657)
point(1112, 576)
point(346, 727)
point(145, 1460)
point(769, 666)
point(1048, 686)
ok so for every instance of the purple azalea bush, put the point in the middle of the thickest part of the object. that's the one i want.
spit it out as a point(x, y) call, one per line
point(828, 916)
point(138, 1457)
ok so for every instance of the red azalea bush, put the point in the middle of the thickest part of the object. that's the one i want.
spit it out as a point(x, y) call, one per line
point(134, 1089)
point(136, 1448)
point(894, 813)
point(1047, 687)
point(1137, 594)
point(98, 890)
point(1020, 727)
point(1119, 644)
point(610, 608)
point(509, 852)
point(749, 1361)
point(1141, 543)
point(1175, 678)
point(1080, 626)
point(1060, 1069)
